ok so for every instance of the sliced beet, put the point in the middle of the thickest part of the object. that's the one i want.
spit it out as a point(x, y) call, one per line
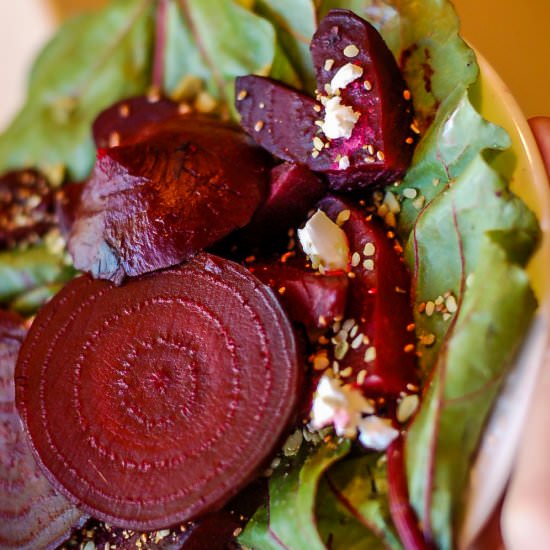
point(122, 122)
point(32, 514)
point(152, 204)
point(381, 145)
point(290, 124)
point(67, 201)
point(309, 298)
point(293, 190)
point(379, 303)
point(159, 399)
point(26, 207)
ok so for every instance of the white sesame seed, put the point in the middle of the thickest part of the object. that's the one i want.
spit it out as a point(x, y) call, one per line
point(328, 64)
point(446, 316)
point(318, 143)
point(439, 300)
point(357, 342)
point(367, 85)
point(348, 325)
point(407, 407)
point(370, 354)
point(351, 50)
point(419, 202)
point(369, 249)
point(348, 371)
point(315, 154)
point(242, 95)
point(450, 304)
point(430, 308)
point(343, 217)
point(354, 331)
point(380, 155)
point(259, 125)
point(368, 265)
point(361, 377)
point(410, 193)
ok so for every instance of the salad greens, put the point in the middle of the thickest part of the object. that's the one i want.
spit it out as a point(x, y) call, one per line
point(467, 238)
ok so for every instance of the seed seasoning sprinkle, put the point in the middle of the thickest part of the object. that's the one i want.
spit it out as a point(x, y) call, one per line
point(351, 50)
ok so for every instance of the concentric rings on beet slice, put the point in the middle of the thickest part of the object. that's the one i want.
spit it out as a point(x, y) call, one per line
point(155, 402)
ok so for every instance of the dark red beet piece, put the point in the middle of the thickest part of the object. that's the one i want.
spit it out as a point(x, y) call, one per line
point(160, 399)
point(381, 145)
point(288, 123)
point(153, 204)
point(379, 302)
point(26, 207)
point(293, 190)
point(121, 123)
point(309, 298)
point(32, 514)
point(67, 201)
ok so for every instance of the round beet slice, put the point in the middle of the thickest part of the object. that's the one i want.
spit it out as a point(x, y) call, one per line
point(154, 402)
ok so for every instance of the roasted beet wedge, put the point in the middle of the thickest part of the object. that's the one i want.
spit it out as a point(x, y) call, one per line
point(383, 344)
point(33, 515)
point(309, 298)
point(152, 204)
point(358, 131)
point(293, 190)
point(67, 202)
point(154, 402)
point(381, 145)
point(122, 122)
point(26, 207)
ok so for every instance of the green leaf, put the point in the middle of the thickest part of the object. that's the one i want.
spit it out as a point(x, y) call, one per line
point(352, 506)
point(288, 521)
point(92, 61)
point(217, 41)
point(295, 22)
point(493, 317)
point(444, 246)
point(24, 270)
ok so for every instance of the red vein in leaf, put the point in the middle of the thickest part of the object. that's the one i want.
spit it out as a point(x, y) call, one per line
point(118, 38)
point(354, 512)
point(161, 20)
point(270, 531)
point(441, 372)
point(402, 513)
point(217, 76)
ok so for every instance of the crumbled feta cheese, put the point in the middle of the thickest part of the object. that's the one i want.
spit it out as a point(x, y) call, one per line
point(376, 433)
point(325, 243)
point(341, 406)
point(344, 76)
point(343, 163)
point(339, 119)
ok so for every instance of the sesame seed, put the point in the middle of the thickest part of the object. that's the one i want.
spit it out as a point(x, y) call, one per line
point(410, 327)
point(380, 155)
point(370, 149)
point(351, 50)
point(357, 342)
point(406, 94)
point(368, 265)
point(361, 377)
point(318, 143)
point(354, 331)
point(124, 110)
point(259, 125)
point(261, 105)
point(414, 128)
point(348, 371)
point(370, 354)
point(322, 321)
point(439, 300)
point(114, 139)
point(446, 316)
point(282, 290)
point(320, 362)
point(410, 193)
point(184, 109)
point(317, 109)
point(419, 202)
point(366, 339)
point(348, 325)
point(369, 159)
point(369, 249)
point(450, 304)
point(340, 350)
point(336, 368)
point(242, 95)
point(367, 85)
point(430, 308)
point(336, 327)
point(343, 217)
point(407, 407)
point(239, 530)
point(328, 64)
point(315, 154)
point(436, 182)
point(355, 259)
point(351, 275)
point(427, 339)
point(409, 141)
point(409, 348)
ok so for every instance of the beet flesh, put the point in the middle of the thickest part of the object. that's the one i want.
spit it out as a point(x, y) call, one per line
point(289, 123)
point(26, 207)
point(159, 399)
point(379, 302)
point(309, 298)
point(293, 190)
point(33, 515)
point(67, 201)
point(189, 182)
point(122, 122)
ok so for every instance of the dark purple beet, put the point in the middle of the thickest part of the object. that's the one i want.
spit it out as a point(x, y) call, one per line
point(67, 201)
point(190, 181)
point(120, 123)
point(32, 514)
point(26, 207)
point(289, 123)
point(381, 145)
point(155, 402)
point(309, 298)
point(293, 190)
point(379, 302)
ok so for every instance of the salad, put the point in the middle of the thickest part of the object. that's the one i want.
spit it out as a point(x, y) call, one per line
point(261, 284)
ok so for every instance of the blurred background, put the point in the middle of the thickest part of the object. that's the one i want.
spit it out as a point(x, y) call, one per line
point(513, 36)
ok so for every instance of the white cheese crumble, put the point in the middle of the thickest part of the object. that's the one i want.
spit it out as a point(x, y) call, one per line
point(343, 163)
point(339, 119)
point(344, 76)
point(341, 406)
point(376, 433)
point(325, 243)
